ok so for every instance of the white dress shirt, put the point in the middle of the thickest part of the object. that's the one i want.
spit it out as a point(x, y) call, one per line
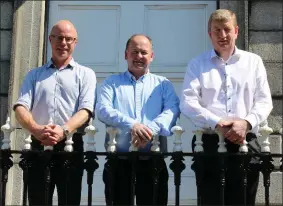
point(215, 89)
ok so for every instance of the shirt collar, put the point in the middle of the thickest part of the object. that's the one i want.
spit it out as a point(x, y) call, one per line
point(132, 77)
point(71, 64)
point(236, 54)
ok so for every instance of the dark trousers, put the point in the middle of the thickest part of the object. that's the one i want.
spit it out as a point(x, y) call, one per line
point(210, 174)
point(70, 184)
point(144, 183)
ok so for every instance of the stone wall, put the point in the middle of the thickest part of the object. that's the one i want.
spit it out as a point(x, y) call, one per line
point(265, 39)
point(260, 24)
point(5, 54)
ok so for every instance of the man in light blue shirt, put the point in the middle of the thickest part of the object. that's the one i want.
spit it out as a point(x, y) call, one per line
point(140, 104)
point(64, 91)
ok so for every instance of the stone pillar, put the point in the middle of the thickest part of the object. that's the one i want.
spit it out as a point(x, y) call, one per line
point(26, 53)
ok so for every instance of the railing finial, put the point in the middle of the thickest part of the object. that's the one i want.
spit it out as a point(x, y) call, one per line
point(90, 133)
point(7, 130)
point(198, 132)
point(264, 131)
point(50, 121)
point(155, 144)
point(112, 131)
point(178, 131)
point(222, 148)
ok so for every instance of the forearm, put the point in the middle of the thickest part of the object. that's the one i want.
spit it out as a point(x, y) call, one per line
point(162, 124)
point(77, 120)
point(113, 117)
point(24, 117)
point(199, 116)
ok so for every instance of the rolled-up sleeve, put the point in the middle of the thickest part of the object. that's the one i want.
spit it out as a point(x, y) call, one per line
point(27, 92)
point(87, 97)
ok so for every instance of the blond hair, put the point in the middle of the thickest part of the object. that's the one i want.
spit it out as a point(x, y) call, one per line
point(222, 15)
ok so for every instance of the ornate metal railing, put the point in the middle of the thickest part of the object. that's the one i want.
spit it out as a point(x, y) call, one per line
point(177, 164)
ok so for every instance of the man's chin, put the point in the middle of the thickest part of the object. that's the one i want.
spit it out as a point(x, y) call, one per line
point(63, 57)
point(139, 68)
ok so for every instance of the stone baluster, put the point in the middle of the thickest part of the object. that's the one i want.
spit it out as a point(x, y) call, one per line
point(155, 144)
point(90, 131)
point(243, 147)
point(112, 131)
point(90, 156)
point(222, 163)
point(27, 140)
point(198, 132)
point(177, 131)
point(177, 165)
point(6, 159)
point(69, 142)
point(133, 148)
point(7, 129)
point(26, 163)
point(266, 165)
point(221, 148)
point(49, 147)
point(111, 160)
point(264, 131)
point(244, 167)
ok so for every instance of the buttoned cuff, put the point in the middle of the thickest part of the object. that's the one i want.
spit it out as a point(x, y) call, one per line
point(212, 122)
point(132, 122)
point(87, 107)
point(252, 119)
point(24, 104)
point(154, 128)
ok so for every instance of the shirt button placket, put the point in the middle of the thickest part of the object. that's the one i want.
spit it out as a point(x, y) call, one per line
point(228, 92)
point(138, 100)
point(56, 96)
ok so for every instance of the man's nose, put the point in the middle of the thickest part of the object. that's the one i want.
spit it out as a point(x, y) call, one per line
point(139, 55)
point(223, 33)
point(63, 41)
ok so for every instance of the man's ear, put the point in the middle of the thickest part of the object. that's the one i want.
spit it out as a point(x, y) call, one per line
point(209, 34)
point(152, 55)
point(126, 55)
point(237, 30)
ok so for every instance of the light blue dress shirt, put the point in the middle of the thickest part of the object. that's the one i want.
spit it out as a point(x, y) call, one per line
point(150, 100)
point(48, 92)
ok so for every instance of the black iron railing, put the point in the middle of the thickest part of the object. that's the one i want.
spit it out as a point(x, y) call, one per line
point(51, 159)
point(90, 165)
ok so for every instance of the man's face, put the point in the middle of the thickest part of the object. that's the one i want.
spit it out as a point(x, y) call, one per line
point(63, 40)
point(223, 35)
point(139, 55)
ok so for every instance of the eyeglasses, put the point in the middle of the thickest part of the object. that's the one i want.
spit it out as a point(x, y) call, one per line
point(68, 39)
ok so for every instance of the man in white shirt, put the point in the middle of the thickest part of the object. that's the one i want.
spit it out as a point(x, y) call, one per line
point(226, 89)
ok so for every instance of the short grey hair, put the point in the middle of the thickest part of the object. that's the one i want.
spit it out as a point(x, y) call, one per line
point(133, 36)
